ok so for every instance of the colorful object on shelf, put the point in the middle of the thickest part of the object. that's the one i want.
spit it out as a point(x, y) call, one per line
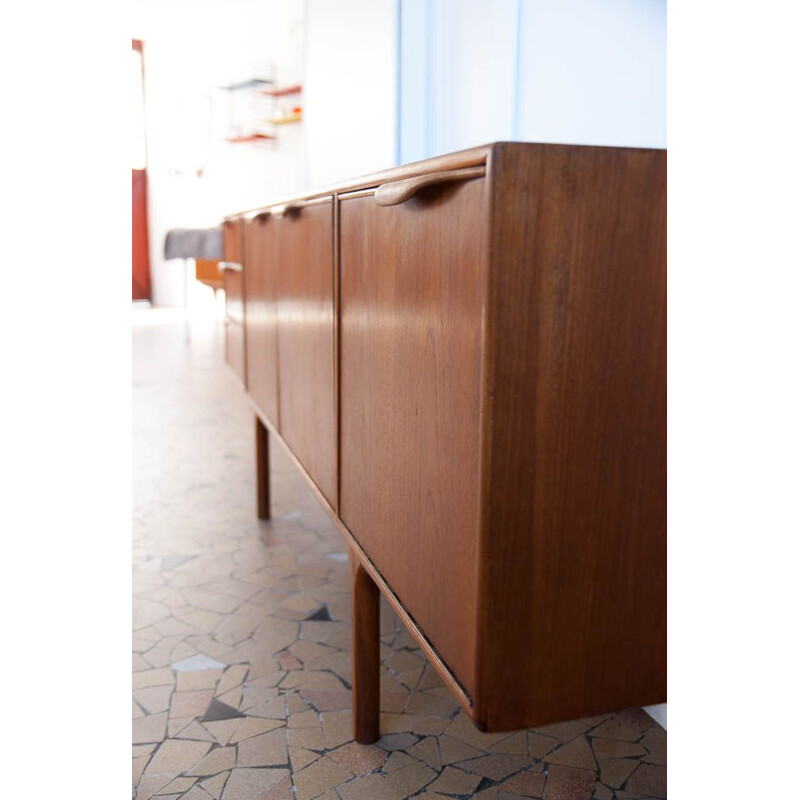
point(296, 89)
point(251, 137)
point(295, 116)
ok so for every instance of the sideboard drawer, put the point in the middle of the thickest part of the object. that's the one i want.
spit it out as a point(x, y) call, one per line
point(411, 300)
point(261, 314)
point(233, 286)
point(232, 283)
point(235, 348)
point(306, 339)
point(232, 240)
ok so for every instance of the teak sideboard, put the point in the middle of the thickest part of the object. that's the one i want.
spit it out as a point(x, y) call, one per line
point(466, 359)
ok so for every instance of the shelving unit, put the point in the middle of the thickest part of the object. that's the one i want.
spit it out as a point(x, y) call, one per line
point(251, 106)
point(254, 108)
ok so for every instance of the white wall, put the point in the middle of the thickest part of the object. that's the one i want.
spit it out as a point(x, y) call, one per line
point(351, 76)
point(473, 60)
point(190, 49)
point(344, 55)
point(414, 64)
point(566, 71)
point(594, 72)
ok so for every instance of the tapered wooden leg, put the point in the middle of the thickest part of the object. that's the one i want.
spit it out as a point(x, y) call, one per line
point(262, 470)
point(365, 614)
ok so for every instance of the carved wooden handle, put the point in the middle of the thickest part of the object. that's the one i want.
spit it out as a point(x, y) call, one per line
point(280, 211)
point(257, 216)
point(286, 208)
point(396, 192)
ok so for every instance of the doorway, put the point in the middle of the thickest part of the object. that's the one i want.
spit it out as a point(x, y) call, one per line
point(139, 236)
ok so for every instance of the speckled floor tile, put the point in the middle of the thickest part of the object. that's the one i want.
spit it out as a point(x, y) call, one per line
point(241, 667)
point(317, 778)
point(250, 784)
point(527, 783)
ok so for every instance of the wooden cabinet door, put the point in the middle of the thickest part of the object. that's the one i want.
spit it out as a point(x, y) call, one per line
point(233, 285)
point(412, 286)
point(260, 313)
point(306, 340)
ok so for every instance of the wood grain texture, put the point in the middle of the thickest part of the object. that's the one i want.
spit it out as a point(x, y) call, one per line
point(261, 313)
point(232, 243)
point(234, 349)
point(306, 340)
point(234, 295)
point(365, 623)
point(572, 588)
point(410, 392)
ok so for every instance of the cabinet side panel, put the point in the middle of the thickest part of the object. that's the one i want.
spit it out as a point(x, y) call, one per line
point(573, 540)
point(411, 309)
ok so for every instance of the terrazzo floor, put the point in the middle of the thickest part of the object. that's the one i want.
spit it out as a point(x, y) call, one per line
point(241, 664)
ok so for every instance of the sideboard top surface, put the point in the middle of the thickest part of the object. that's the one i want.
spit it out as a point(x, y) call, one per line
point(472, 157)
